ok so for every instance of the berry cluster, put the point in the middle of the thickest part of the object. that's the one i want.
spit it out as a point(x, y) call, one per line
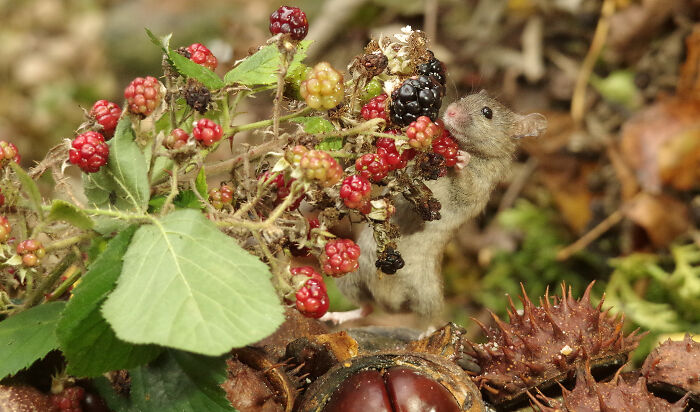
point(289, 20)
point(201, 55)
point(106, 114)
point(422, 132)
point(5, 229)
point(221, 196)
point(69, 400)
point(375, 108)
point(386, 147)
point(446, 146)
point(320, 166)
point(89, 151)
point(323, 88)
point(372, 166)
point(176, 139)
point(312, 296)
point(355, 192)
point(435, 69)
point(340, 256)
point(420, 96)
point(143, 95)
point(8, 153)
point(207, 132)
point(31, 251)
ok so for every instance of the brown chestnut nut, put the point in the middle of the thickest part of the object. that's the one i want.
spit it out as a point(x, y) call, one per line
point(403, 382)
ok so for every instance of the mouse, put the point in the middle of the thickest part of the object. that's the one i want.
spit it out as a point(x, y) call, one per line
point(488, 134)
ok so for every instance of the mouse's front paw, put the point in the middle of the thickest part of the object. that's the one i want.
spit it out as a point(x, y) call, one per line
point(462, 159)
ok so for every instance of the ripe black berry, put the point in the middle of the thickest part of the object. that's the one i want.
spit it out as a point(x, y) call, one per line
point(435, 68)
point(389, 261)
point(420, 96)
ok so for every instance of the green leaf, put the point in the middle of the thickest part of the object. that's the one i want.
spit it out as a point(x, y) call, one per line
point(186, 199)
point(331, 143)
point(87, 341)
point(315, 124)
point(160, 166)
point(68, 212)
point(190, 69)
point(28, 336)
point(98, 188)
point(163, 42)
point(201, 184)
point(128, 169)
point(180, 382)
point(29, 187)
point(188, 286)
point(262, 67)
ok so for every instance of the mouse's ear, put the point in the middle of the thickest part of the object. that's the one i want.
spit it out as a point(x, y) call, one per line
point(529, 125)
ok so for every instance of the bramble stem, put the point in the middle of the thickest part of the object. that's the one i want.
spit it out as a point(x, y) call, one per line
point(69, 241)
point(173, 191)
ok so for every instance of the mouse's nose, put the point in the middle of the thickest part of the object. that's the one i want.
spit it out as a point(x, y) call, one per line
point(451, 112)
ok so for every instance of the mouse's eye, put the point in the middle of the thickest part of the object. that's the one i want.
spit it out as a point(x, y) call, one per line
point(486, 111)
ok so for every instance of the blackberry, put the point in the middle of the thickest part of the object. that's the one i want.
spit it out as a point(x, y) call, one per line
point(389, 261)
point(418, 96)
point(436, 69)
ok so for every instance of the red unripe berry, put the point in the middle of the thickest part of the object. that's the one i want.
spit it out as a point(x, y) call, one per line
point(69, 400)
point(8, 153)
point(355, 192)
point(5, 229)
point(31, 251)
point(89, 151)
point(143, 95)
point(446, 146)
point(201, 55)
point(340, 256)
point(221, 196)
point(106, 114)
point(386, 147)
point(375, 108)
point(176, 139)
point(309, 272)
point(207, 132)
point(312, 299)
point(289, 20)
point(372, 166)
point(422, 132)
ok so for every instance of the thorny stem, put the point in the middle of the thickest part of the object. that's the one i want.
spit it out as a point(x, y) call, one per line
point(35, 296)
point(276, 213)
point(262, 185)
point(227, 115)
point(69, 241)
point(173, 191)
point(268, 122)
point(365, 127)
point(287, 50)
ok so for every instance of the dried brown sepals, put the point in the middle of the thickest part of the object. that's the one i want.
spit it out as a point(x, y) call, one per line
point(674, 366)
point(545, 344)
point(616, 395)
